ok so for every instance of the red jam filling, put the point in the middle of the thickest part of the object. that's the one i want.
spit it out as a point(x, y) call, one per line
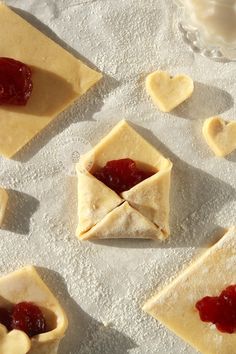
point(220, 310)
point(15, 82)
point(25, 317)
point(121, 175)
point(5, 318)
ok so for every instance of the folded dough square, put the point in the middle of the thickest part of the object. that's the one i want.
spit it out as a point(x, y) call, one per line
point(26, 285)
point(140, 212)
point(58, 80)
point(174, 306)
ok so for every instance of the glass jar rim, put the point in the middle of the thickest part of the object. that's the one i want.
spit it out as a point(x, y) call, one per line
point(226, 3)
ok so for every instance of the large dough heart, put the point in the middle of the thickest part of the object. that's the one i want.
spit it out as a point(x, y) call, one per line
point(14, 342)
point(220, 135)
point(168, 92)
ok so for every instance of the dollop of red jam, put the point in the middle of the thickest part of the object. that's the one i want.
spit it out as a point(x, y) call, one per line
point(121, 175)
point(15, 82)
point(28, 318)
point(5, 318)
point(220, 310)
point(25, 317)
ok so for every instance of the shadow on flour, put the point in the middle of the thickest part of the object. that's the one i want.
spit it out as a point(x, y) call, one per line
point(82, 110)
point(231, 157)
point(195, 199)
point(20, 208)
point(206, 101)
point(85, 335)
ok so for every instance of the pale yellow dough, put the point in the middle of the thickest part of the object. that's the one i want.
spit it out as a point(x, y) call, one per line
point(26, 285)
point(58, 80)
point(220, 135)
point(95, 200)
point(141, 212)
point(124, 222)
point(13, 342)
point(168, 92)
point(151, 197)
point(3, 203)
point(174, 306)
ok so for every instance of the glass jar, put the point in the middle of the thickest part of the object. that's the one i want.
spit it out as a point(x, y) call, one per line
point(209, 26)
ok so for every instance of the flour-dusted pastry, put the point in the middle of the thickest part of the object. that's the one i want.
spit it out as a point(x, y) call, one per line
point(124, 221)
point(220, 135)
point(31, 319)
point(3, 203)
point(58, 79)
point(200, 304)
point(168, 92)
point(123, 188)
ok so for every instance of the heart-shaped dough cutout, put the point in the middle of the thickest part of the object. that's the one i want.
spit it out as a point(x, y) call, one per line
point(168, 92)
point(220, 135)
point(14, 342)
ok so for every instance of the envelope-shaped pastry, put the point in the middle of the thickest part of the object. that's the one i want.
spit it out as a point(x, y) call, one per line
point(25, 285)
point(58, 80)
point(208, 285)
point(3, 203)
point(140, 212)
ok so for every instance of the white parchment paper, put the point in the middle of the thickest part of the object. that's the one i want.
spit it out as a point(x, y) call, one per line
point(102, 286)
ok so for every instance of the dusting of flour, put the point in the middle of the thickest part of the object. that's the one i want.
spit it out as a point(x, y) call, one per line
point(103, 285)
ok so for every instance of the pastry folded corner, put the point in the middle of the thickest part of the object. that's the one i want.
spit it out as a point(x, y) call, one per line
point(95, 200)
point(14, 341)
point(151, 198)
point(124, 222)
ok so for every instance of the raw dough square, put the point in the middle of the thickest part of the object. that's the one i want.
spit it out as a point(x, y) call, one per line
point(58, 80)
point(174, 306)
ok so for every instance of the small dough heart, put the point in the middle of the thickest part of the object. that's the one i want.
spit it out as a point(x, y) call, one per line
point(14, 342)
point(220, 135)
point(168, 92)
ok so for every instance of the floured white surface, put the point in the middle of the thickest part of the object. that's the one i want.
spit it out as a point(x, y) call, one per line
point(103, 285)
